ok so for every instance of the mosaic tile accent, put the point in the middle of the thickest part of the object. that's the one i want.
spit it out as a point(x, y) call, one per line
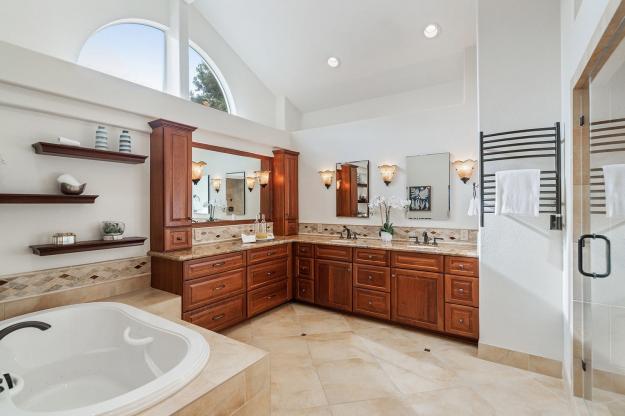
point(401, 233)
point(206, 235)
point(51, 280)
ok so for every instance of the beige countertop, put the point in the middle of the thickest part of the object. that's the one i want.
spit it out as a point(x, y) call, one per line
point(198, 251)
point(238, 368)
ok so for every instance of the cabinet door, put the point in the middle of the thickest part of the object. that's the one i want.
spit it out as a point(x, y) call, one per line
point(177, 177)
point(333, 284)
point(418, 298)
point(290, 189)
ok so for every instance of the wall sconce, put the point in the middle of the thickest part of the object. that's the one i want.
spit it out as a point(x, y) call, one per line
point(326, 177)
point(263, 177)
point(197, 171)
point(216, 182)
point(388, 173)
point(464, 169)
point(250, 181)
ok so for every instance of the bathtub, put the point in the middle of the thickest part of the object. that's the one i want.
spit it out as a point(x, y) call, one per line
point(95, 359)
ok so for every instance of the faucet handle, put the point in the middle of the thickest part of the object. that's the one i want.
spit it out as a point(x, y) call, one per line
point(435, 240)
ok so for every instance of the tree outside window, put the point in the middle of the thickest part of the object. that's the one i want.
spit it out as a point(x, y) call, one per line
point(205, 87)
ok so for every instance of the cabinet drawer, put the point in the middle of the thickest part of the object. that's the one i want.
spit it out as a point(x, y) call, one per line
point(333, 252)
point(261, 274)
point(371, 256)
point(213, 265)
point(177, 238)
point(372, 277)
point(417, 261)
point(267, 297)
point(259, 255)
point(219, 315)
point(199, 292)
point(372, 303)
point(304, 268)
point(305, 290)
point(305, 249)
point(463, 266)
point(462, 320)
point(462, 290)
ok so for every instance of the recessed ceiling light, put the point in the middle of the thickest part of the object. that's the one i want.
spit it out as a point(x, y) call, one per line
point(333, 62)
point(431, 31)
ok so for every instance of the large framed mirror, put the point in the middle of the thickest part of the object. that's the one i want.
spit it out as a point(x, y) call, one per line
point(427, 186)
point(228, 187)
point(352, 189)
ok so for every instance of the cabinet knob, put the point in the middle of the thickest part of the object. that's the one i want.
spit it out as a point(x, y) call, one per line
point(269, 273)
point(370, 303)
point(393, 275)
point(370, 277)
point(218, 317)
point(370, 256)
point(461, 266)
point(460, 290)
point(270, 253)
point(222, 286)
point(461, 320)
point(271, 296)
point(303, 290)
point(218, 264)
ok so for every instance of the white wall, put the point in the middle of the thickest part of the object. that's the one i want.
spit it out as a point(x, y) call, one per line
point(60, 28)
point(450, 125)
point(520, 259)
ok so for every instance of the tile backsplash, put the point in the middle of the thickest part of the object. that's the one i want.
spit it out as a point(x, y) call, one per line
point(401, 233)
point(52, 280)
point(204, 235)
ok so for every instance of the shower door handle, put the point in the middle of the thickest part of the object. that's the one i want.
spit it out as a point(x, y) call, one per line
point(580, 255)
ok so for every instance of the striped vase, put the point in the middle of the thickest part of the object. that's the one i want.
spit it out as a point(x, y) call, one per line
point(125, 142)
point(101, 138)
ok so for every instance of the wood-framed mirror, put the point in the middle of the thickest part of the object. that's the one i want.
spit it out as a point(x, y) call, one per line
point(226, 186)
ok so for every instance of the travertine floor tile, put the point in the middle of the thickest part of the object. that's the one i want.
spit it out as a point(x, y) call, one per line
point(337, 346)
point(285, 352)
point(322, 323)
point(353, 380)
point(459, 401)
point(296, 388)
point(376, 407)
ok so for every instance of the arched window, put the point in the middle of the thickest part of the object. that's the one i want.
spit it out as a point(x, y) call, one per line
point(205, 82)
point(132, 51)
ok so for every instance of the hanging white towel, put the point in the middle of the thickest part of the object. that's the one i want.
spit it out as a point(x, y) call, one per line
point(614, 178)
point(474, 207)
point(517, 192)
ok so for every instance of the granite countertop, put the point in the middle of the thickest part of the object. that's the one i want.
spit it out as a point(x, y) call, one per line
point(228, 358)
point(198, 251)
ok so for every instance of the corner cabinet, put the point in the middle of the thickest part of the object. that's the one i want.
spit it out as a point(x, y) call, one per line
point(170, 185)
point(285, 193)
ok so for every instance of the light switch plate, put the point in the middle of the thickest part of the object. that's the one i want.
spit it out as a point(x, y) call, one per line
point(464, 235)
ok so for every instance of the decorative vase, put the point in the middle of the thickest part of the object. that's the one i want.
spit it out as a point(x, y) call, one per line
point(386, 237)
point(125, 142)
point(101, 138)
point(113, 230)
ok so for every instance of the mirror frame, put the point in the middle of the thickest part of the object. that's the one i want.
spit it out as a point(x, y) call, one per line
point(266, 163)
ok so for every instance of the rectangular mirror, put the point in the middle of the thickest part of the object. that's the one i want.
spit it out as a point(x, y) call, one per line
point(427, 183)
point(223, 188)
point(352, 189)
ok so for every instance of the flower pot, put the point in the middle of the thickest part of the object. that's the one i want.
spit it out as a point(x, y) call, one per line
point(386, 237)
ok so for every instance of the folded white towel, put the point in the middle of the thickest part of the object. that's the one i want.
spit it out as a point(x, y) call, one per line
point(517, 192)
point(614, 178)
point(474, 207)
point(65, 140)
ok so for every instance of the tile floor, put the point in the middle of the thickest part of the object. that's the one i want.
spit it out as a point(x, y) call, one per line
point(347, 365)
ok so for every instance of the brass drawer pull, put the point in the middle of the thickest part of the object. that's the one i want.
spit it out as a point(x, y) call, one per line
point(271, 297)
point(461, 320)
point(222, 286)
point(460, 290)
point(370, 277)
point(218, 317)
point(269, 273)
point(461, 266)
point(219, 264)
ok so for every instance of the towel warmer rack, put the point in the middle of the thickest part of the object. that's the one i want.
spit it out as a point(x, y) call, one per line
point(606, 136)
point(528, 144)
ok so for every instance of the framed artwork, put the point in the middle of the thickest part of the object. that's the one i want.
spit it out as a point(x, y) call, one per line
point(420, 198)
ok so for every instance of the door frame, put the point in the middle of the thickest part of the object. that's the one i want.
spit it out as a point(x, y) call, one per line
point(606, 39)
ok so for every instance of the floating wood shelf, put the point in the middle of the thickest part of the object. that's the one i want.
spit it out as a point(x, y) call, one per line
point(52, 249)
point(46, 199)
point(78, 152)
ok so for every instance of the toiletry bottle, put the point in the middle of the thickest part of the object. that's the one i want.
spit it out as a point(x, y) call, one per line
point(256, 225)
point(263, 227)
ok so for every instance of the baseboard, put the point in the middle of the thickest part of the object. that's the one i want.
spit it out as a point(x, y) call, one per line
point(524, 361)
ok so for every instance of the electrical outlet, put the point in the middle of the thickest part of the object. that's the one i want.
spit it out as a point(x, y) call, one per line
point(464, 235)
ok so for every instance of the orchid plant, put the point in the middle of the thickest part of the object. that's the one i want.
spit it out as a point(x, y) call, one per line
point(384, 206)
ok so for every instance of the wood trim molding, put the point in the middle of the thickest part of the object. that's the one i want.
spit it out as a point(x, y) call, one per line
point(230, 151)
point(167, 123)
point(223, 223)
point(285, 151)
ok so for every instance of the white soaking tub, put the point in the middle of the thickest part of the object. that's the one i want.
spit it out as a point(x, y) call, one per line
point(94, 359)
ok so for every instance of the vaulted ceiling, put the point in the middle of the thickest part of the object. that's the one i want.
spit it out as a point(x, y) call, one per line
point(380, 44)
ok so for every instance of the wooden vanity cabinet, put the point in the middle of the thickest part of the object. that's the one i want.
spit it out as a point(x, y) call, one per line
point(333, 284)
point(170, 185)
point(418, 298)
point(304, 272)
point(462, 296)
point(285, 192)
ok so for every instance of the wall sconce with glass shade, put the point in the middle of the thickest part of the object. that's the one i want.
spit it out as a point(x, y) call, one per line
point(464, 169)
point(388, 173)
point(326, 177)
point(216, 182)
point(197, 171)
point(250, 181)
point(263, 177)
